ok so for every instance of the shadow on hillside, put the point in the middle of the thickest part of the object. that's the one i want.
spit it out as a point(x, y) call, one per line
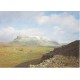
point(32, 62)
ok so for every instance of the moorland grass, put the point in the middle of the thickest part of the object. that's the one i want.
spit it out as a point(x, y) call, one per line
point(12, 55)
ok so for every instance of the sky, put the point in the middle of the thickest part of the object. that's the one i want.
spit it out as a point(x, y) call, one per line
point(58, 26)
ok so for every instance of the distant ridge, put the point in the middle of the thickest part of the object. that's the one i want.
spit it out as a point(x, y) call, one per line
point(34, 41)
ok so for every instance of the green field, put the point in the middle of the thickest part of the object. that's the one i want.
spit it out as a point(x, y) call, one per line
point(12, 55)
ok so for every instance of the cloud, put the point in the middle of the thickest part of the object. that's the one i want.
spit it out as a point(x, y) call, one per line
point(30, 32)
point(42, 19)
point(9, 33)
point(58, 31)
point(65, 26)
point(61, 35)
point(63, 19)
point(62, 26)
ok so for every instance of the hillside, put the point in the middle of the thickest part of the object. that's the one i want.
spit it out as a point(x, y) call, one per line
point(34, 41)
point(71, 49)
point(66, 56)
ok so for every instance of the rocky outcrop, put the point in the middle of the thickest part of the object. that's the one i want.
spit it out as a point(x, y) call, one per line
point(58, 61)
point(71, 49)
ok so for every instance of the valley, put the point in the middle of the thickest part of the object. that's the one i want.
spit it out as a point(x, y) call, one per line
point(12, 55)
point(38, 52)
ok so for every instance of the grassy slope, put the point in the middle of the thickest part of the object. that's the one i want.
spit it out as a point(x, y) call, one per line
point(11, 56)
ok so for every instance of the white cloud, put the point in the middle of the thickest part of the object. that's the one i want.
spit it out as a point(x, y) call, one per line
point(63, 19)
point(63, 35)
point(8, 30)
point(65, 26)
point(58, 31)
point(30, 32)
point(9, 33)
point(42, 19)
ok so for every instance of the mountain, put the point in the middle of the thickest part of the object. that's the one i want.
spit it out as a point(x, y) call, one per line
point(34, 41)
